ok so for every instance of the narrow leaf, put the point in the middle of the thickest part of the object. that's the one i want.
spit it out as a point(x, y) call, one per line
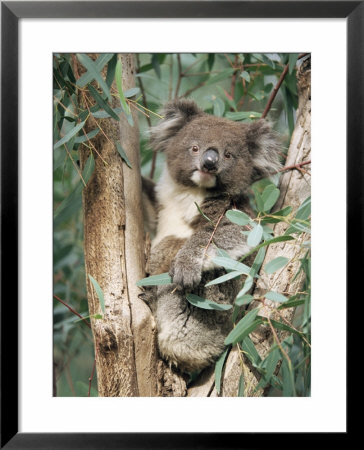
point(203, 303)
point(90, 135)
point(229, 263)
point(123, 154)
point(275, 297)
point(226, 277)
point(244, 300)
point(102, 103)
point(69, 135)
point(218, 369)
point(99, 292)
point(155, 280)
point(91, 66)
point(243, 328)
point(118, 80)
point(100, 63)
point(275, 264)
point(241, 387)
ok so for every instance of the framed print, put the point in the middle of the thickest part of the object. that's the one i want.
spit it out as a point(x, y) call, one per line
point(209, 73)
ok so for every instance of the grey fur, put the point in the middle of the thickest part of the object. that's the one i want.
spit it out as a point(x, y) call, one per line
point(192, 338)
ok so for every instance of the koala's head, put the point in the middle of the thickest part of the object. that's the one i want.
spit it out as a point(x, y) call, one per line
point(213, 152)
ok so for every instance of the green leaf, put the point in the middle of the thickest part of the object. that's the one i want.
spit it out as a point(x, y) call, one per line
point(111, 70)
point(270, 196)
point(268, 242)
point(245, 75)
point(223, 278)
point(244, 300)
point(218, 369)
point(258, 199)
point(242, 115)
point(99, 64)
point(155, 280)
point(241, 387)
point(118, 80)
point(255, 236)
point(269, 364)
point(288, 379)
point(73, 202)
point(203, 303)
point(69, 135)
point(219, 107)
point(156, 65)
point(275, 297)
point(229, 263)
point(93, 316)
point(131, 92)
point(292, 59)
point(251, 352)
point(284, 327)
point(123, 154)
point(244, 327)
point(90, 135)
point(275, 264)
point(238, 217)
point(94, 72)
point(101, 102)
point(220, 76)
point(247, 286)
point(99, 292)
point(292, 302)
point(304, 211)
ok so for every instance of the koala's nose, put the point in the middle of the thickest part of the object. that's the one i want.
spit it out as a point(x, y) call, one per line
point(210, 159)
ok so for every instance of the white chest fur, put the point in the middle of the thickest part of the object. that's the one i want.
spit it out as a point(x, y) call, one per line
point(177, 208)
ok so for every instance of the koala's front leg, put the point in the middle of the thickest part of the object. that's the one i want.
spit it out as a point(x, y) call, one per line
point(186, 267)
point(196, 255)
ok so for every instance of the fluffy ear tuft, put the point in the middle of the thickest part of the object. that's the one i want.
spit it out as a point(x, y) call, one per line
point(264, 145)
point(176, 115)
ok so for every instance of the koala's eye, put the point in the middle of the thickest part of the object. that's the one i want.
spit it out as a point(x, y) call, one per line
point(195, 149)
point(227, 155)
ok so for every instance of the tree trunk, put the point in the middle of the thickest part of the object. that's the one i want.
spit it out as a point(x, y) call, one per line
point(125, 349)
point(294, 187)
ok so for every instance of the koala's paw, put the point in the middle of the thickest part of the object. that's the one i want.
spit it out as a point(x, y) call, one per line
point(186, 272)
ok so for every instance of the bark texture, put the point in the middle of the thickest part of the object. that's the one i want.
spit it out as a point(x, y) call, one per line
point(295, 187)
point(114, 255)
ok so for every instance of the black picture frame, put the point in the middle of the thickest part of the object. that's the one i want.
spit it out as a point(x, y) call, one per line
point(11, 12)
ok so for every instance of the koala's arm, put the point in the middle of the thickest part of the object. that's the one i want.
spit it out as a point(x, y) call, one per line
point(197, 252)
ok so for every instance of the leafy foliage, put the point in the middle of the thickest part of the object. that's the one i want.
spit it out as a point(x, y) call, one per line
point(236, 86)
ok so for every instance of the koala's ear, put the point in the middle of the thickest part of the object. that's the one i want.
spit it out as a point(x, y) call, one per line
point(264, 146)
point(176, 115)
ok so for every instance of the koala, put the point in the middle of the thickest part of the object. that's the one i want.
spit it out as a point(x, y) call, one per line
point(210, 161)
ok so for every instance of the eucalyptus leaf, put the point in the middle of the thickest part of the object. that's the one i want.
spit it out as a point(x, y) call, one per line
point(69, 135)
point(275, 297)
point(95, 72)
point(226, 277)
point(238, 217)
point(155, 280)
point(123, 154)
point(203, 303)
point(218, 369)
point(229, 263)
point(255, 236)
point(99, 292)
point(275, 264)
